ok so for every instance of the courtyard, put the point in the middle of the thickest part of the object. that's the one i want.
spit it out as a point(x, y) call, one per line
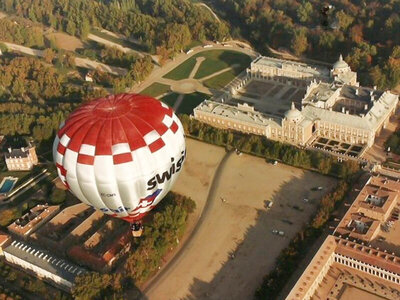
point(269, 97)
point(354, 150)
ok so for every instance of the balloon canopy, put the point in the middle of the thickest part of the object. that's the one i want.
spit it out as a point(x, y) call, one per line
point(120, 154)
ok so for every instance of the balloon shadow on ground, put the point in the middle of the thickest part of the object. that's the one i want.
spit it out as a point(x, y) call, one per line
point(244, 267)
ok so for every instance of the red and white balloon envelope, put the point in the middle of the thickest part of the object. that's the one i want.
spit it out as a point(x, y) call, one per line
point(120, 154)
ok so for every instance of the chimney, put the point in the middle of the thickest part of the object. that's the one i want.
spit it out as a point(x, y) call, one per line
point(9, 149)
point(365, 106)
point(357, 92)
point(374, 87)
point(23, 149)
point(371, 92)
point(343, 109)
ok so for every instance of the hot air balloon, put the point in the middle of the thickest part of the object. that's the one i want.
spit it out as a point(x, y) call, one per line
point(120, 154)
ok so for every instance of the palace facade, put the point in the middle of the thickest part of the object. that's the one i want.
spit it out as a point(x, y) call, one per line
point(296, 103)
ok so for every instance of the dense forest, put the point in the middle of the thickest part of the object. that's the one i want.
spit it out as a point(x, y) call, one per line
point(35, 97)
point(365, 32)
point(21, 31)
point(157, 24)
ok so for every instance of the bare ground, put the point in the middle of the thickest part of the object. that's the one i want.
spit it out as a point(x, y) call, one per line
point(240, 226)
point(65, 41)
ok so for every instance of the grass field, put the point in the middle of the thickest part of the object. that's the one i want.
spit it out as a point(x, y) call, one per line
point(215, 60)
point(155, 90)
point(182, 71)
point(221, 80)
point(190, 101)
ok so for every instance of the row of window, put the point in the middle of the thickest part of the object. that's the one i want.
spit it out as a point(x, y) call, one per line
point(237, 126)
point(351, 262)
point(19, 166)
point(343, 130)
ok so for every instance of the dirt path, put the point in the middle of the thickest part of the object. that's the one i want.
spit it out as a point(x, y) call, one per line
point(79, 62)
point(164, 274)
point(210, 10)
point(199, 60)
point(100, 40)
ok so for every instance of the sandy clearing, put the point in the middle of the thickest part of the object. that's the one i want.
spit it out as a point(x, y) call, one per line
point(65, 41)
point(241, 225)
point(201, 162)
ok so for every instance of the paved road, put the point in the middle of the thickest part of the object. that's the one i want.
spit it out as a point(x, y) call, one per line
point(80, 62)
point(210, 10)
point(168, 268)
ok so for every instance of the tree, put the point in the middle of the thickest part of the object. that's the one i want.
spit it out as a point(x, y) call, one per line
point(49, 55)
point(71, 27)
point(396, 52)
point(177, 36)
point(91, 285)
point(304, 12)
point(356, 33)
point(299, 42)
point(57, 196)
point(344, 20)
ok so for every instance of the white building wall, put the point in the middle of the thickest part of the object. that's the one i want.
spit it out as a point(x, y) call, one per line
point(37, 270)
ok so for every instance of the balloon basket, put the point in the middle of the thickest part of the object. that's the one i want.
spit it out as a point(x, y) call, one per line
point(137, 229)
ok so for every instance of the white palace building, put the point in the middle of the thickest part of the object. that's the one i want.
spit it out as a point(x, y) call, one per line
point(297, 103)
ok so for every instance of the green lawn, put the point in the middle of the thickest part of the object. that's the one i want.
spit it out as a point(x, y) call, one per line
point(190, 101)
point(182, 71)
point(193, 44)
point(217, 60)
point(221, 80)
point(155, 90)
point(170, 99)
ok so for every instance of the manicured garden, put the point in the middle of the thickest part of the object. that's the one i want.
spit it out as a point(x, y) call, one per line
point(183, 70)
point(215, 60)
point(190, 101)
point(220, 81)
point(155, 90)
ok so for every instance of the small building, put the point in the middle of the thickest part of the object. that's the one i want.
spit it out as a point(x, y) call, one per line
point(89, 77)
point(5, 240)
point(21, 159)
point(32, 220)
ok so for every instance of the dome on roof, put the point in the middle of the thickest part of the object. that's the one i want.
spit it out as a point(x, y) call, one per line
point(340, 64)
point(293, 113)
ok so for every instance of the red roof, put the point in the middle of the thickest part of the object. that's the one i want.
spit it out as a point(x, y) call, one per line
point(3, 238)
